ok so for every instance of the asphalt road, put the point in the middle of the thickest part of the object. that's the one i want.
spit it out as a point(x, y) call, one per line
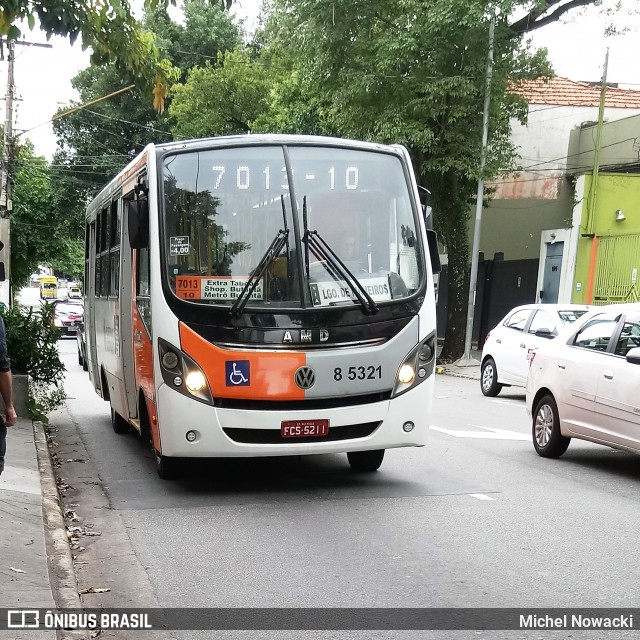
point(475, 519)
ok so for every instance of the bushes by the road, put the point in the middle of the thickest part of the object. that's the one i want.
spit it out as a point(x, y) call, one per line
point(32, 344)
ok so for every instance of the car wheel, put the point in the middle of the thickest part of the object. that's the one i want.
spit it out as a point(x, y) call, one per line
point(80, 360)
point(85, 364)
point(119, 424)
point(167, 468)
point(365, 461)
point(547, 439)
point(489, 378)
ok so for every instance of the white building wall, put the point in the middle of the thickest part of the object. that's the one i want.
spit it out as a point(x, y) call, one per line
point(544, 141)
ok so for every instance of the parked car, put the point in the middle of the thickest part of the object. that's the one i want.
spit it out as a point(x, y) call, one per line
point(67, 316)
point(74, 293)
point(508, 347)
point(586, 385)
point(82, 347)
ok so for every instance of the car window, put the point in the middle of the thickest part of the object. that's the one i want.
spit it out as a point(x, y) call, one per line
point(518, 320)
point(571, 316)
point(629, 337)
point(542, 320)
point(596, 334)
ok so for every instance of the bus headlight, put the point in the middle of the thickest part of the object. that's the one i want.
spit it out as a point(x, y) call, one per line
point(406, 374)
point(182, 373)
point(170, 360)
point(417, 366)
point(195, 381)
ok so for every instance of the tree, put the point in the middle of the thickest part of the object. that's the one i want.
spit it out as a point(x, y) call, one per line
point(220, 100)
point(96, 142)
point(413, 72)
point(38, 235)
point(108, 27)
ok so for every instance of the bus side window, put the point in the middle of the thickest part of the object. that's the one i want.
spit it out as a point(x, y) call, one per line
point(143, 287)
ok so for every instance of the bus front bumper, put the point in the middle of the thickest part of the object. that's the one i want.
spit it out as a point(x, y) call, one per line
point(259, 431)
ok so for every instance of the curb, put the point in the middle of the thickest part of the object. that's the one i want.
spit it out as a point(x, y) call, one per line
point(64, 586)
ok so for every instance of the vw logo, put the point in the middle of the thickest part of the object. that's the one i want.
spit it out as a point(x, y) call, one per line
point(305, 377)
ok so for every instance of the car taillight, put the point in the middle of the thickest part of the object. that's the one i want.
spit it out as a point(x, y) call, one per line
point(532, 358)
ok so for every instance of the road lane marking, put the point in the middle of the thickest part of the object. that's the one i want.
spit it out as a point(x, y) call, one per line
point(505, 401)
point(488, 433)
point(481, 496)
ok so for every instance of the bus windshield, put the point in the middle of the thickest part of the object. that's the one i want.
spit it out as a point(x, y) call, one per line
point(232, 228)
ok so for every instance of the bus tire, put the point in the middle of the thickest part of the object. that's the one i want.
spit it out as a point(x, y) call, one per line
point(118, 423)
point(166, 467)
point(365, 461)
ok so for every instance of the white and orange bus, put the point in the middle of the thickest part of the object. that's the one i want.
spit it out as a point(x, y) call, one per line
point(263, 295)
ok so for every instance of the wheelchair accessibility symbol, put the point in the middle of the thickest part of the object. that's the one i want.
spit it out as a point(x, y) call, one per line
point(237, 373)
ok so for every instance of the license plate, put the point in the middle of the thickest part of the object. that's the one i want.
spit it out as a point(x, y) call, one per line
point(304, 428)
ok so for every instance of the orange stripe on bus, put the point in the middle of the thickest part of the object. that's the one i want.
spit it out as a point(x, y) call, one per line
point(270, 373)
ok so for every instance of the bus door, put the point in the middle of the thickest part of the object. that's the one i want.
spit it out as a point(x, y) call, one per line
point(127, 302)
point(141, 337)
point(90, 321)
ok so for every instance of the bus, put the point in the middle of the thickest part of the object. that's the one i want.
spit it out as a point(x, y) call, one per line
point(263, 295)
point(48, 288)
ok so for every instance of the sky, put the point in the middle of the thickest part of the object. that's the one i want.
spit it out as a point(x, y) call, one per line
point(43, 76)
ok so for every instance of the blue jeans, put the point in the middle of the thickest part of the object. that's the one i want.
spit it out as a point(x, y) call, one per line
point(3, 443)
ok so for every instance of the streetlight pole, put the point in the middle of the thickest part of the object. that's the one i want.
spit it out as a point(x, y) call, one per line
point(475, 250)
point(5, 183)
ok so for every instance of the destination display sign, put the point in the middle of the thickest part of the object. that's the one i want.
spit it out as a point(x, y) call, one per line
point(324, 294)
point(215, 288)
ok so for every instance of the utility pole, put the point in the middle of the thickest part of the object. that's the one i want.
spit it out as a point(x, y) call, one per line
point(6, 172)
point(5, 183)
point(593, 190)
point(475, 249)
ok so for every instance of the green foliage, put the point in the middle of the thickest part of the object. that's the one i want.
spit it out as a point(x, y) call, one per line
point(223, 99)
point(409, 72)
point(107, 26)
point(95, 143)
point(207, 31)
point(33, 229)
point(32, 346)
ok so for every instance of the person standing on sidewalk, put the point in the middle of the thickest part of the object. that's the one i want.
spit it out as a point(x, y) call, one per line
point(6, 391)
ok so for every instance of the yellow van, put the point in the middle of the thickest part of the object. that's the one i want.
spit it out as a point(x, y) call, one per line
point(48, 288)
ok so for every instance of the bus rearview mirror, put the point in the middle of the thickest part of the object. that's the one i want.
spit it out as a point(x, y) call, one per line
point(138, 224)
point(432, 240)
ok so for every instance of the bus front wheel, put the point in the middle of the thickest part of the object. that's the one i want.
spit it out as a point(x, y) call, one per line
point(365, 460)
point(118, 423)
point(166, 467)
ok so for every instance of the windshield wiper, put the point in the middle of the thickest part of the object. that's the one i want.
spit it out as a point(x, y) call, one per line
point(281, 239)
point(336, 268)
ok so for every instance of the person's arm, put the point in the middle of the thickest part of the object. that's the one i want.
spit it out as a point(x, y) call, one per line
point(6, 380)
point(6, 391)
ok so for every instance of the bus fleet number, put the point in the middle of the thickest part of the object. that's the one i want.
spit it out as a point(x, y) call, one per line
point(357, 373)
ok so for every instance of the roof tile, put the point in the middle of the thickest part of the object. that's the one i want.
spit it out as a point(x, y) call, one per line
point(565, 92)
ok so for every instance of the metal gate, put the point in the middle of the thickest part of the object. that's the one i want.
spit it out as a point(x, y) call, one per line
point(617, 268)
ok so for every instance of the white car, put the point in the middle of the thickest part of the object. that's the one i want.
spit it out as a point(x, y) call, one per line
point(508, 347)
point(586, 384)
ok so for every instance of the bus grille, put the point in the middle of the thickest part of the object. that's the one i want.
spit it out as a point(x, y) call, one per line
point(272, 436)
point(316, 404)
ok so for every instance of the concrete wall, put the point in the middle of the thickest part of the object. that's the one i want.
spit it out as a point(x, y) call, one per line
point(544, 141)
point(514, 226)
point(619, 145)
point(614, 191)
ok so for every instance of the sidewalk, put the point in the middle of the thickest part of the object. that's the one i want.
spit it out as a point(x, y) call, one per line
point(29, 506)
point(463, 368)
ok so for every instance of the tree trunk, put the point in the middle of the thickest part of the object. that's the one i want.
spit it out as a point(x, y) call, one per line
point(457, 296)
